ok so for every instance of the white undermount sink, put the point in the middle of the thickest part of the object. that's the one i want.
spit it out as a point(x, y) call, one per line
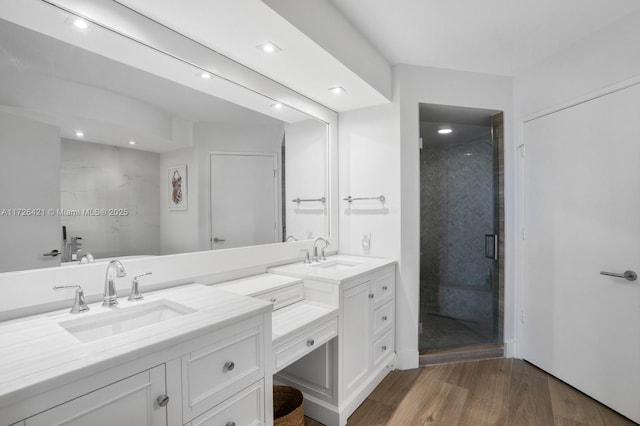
point(121, 320)
point(336, 265)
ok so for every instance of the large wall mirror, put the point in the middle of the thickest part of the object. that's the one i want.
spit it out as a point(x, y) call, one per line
point(101, 157)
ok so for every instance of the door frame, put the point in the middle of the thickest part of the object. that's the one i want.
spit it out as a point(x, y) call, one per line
point(277, 177)
point(497, 349)
point(520, 219)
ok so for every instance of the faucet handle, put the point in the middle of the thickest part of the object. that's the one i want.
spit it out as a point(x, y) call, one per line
point(135, 290)
point(79, 305)
point(87, 258)
point(306, 260)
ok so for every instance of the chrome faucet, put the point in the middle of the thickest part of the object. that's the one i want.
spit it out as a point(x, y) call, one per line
point(315, 249)
point(110, 296)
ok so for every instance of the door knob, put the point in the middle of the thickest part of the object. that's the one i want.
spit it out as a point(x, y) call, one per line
point(52, 253)
point(627, 275)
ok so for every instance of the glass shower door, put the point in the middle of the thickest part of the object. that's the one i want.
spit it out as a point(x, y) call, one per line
point(459, 237)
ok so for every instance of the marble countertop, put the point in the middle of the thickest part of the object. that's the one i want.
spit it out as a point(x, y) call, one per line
point(258, 284)
point(289, 319)
point(37, 353)
point(335, 270)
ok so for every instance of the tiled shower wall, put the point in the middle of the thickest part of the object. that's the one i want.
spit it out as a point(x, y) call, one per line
point(96, 176)
point(457, 206)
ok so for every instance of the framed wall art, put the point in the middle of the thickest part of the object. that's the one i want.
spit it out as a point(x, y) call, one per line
point(177, 184)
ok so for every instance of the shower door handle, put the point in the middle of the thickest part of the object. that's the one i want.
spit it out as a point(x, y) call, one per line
point(491, 246)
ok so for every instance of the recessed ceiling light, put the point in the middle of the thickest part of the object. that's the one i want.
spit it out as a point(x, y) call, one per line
point(79, 133)
point(445, 131)
point(205, 75)
point(80, 23)
point(132, 142)
point(268, 47)
point(338, 90)
point(276, 105)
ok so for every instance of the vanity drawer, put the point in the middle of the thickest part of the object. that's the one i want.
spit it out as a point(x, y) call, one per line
point(383, 347)
point(295, 348)
point(382, 318)
point(283, 296)
point(383, 288)
point(244, 408)
point(214, 373)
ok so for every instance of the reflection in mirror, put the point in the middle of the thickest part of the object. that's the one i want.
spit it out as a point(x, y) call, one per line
point(100, 157)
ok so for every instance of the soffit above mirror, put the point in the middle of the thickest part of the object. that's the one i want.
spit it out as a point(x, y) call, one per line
point(309, 66)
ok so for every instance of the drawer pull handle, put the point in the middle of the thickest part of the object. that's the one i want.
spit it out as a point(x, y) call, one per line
point(229, 365)
point(273, 300)
point(311, 342)
point(384, 318)
point(384, 347)
point(370, 295)
point(162, 400)
point(385, 288)
point(231, 424)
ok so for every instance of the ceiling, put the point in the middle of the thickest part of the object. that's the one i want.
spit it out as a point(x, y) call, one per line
point(501, 37)
point(467, 124)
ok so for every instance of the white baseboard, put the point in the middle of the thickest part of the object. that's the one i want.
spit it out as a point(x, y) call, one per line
point(510, 349)
point(407, 360)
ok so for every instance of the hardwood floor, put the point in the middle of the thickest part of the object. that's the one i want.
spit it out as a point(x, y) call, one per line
point(506, 392)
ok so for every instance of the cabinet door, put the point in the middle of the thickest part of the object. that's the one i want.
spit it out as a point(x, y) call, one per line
point(131, 401)
point(356, 339)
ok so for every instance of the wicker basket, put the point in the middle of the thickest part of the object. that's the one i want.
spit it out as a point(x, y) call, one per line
point(287, 406)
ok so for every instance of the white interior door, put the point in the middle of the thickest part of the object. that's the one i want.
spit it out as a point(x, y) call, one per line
point(582, 207)
point(243, 200)
point(29, 193)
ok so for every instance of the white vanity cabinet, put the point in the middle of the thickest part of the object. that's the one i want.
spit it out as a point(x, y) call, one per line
point(224, 367)
point(337, 378)
point(367, 328)
point(211, 369)
point(366, 345)
point(133, 401)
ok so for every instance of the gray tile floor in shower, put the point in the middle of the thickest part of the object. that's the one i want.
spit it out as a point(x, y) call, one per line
point(441, 332)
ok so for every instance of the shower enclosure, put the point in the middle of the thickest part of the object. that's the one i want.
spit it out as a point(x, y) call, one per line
point(461, 227)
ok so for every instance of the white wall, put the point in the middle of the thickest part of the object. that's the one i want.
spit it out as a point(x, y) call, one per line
point(179, 228)
point(602, 62)
point(608, 56)
point(431, 85)
point(369, 155)
point(306, 178)
point(379, 156)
